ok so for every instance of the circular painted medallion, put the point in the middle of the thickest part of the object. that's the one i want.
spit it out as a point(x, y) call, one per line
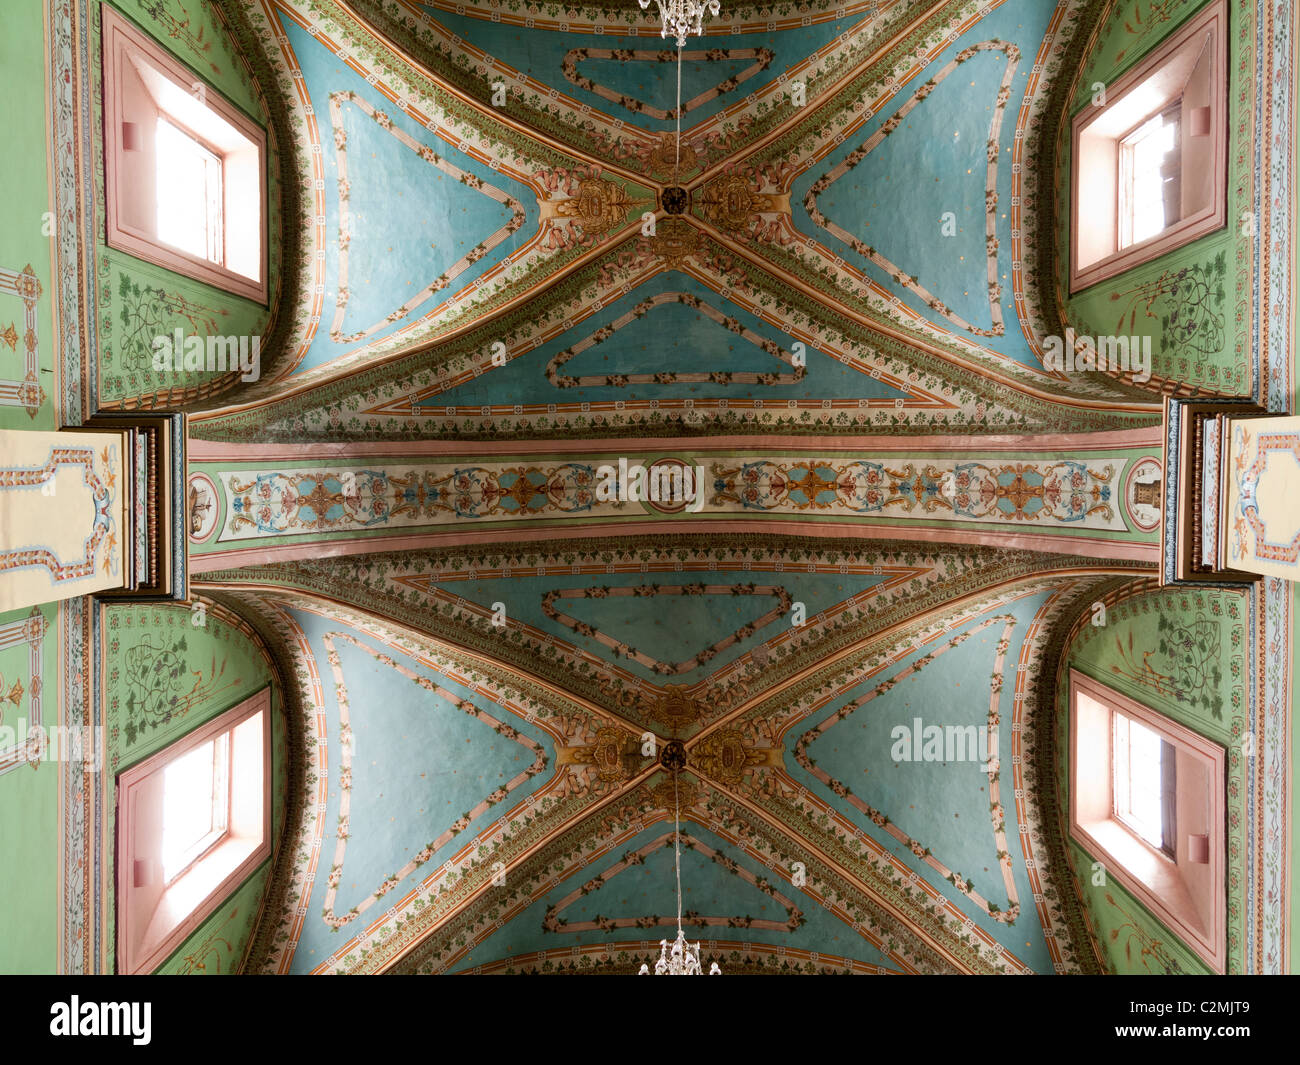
point(1143, 491)
point(201, 508)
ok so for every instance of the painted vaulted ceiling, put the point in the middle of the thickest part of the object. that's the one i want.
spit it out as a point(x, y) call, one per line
point(487, 291)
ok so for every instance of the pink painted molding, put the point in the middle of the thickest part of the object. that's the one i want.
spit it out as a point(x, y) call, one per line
point(1115, 440)
point(540, 533)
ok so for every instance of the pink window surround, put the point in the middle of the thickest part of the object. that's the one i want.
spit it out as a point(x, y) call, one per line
point(1170, 73)
point(136, 71)
point(155, 917)
point(1187, 892)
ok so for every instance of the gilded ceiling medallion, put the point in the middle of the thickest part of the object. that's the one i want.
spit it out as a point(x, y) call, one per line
point(724, 756)
point(675, 240)
point(598, 206)
point(664, 157)
point(607, 754)
point(686, 795)
point(731, 202)
point(675, 708)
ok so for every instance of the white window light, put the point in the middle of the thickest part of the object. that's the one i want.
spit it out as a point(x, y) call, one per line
point(184, 170)
point(1146, 801)
point(196, 805)
point(1143, 771)
point(189, 193)
point(193, 822)
point(1150, 178)
point(1150, 154)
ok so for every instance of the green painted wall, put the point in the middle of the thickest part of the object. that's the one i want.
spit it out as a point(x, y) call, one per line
point(1132, 941)
point(1181, 653)
point(163, 677)
point(217, 947)
point(29, 811)
point(1206, 283)
point(137, 300)
point(26, 235)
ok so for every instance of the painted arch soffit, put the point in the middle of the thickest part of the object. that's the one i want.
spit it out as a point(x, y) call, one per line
point(589, 616)
point(557, 218)
point(613, 348)
point(892, 890)
point(371, 127)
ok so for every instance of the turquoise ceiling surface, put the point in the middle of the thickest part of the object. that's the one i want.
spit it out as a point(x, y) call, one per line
point(943, 803)
point(409, 221)
point(416, 764)
point(408, 224)
point(718, 902)
point(897, 198)
point(671, 626)
point(651, 81)
point(665, 338)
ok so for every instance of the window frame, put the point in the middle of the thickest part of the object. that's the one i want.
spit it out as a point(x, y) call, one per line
point(1195, 912)
point(1208, 219)
point(119, 40)
point(144, 938)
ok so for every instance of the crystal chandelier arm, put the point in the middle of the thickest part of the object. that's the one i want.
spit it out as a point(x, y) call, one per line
point(683, 18)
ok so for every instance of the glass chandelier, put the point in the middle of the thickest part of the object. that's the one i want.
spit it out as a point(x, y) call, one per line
point(683, 18)
point(679, 959)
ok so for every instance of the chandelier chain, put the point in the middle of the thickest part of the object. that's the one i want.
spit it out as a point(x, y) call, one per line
point(681, 958)
point(681, 19)
point(677, 165)
point(677, 852)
